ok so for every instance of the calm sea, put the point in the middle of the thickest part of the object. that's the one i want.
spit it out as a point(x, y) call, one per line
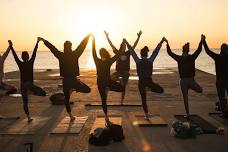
point(46, 60)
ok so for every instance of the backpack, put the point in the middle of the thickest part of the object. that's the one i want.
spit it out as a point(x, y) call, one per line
point(116, 132)
point(100, 137)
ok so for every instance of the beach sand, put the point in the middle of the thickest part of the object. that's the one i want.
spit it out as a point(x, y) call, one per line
point(137, 139)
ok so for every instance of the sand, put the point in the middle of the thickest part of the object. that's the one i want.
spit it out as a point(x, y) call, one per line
point(137, 139)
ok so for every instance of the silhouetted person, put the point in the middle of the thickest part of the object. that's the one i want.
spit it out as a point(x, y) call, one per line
point(9, 89)
point(186, 68)
point(144, 70)
point(26, 72)
point(104, 81)
point(69, 69)
point(221, 67)
point(122, 63)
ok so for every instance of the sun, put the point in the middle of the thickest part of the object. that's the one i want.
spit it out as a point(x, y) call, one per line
point(93, 22)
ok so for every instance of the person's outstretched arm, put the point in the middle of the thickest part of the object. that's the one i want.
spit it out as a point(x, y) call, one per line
point(132, 52)
point(156, 50)
point(170, 53)
point(199, 49)
point(115, 50)
point(208, 51)
point(5, 54)
point(95, 58)
point(122, 47)
point(14, 53)
point(51, 47)
point(80, 49)
point(35, 50)
point(137, 40)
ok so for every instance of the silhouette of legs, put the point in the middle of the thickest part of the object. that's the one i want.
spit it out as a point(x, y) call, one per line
point(142, 91)
point(142, 84)
point(222, 87)
point(29, 86)
point(103, 88)
point(103, 94)
point(72, 83)
point(186, 84)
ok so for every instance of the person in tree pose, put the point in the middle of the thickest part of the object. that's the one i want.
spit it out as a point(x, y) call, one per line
point(186, 68)
point(69, 69)
point(104, 81)
point(221, 67)
point(26, 73)
point(122, 63)
point(144, 70)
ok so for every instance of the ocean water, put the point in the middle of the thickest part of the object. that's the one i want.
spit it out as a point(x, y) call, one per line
point(46, 60)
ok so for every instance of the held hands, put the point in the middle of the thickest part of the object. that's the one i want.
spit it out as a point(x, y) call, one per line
point(164, 40)
point(40, 39)
point(203, 37)
point(139, 33)
point(10, 43)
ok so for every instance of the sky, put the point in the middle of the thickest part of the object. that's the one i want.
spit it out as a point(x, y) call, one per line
point(180, 21)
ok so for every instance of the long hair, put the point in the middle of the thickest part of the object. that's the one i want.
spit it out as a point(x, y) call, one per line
point(104, 53)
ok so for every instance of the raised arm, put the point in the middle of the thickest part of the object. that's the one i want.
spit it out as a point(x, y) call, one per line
point(35, 50)
point(5, 54)
point(80, 49)
point(170, 53)
point(122, 47)
point(199, 49)
point(51, 47)
point(208, 51)
point(137, 40)
point(156, 50)
point(95, 58)
point(132, 52)
point(115, 50)
point(14, 53)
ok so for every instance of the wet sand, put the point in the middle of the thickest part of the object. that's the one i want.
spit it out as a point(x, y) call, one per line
point(146, 139)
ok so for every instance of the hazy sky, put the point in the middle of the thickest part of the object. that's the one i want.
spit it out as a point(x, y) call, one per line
point(60, 20)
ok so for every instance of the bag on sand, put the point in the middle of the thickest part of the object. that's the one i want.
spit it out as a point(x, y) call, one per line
point(100, 137)
point(116, 132)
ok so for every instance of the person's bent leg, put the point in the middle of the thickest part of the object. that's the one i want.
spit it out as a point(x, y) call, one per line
point(9, 88)
point(142, 91)
point(184, 90)
point(156, 88)
point(115, 86)
point(79, 86)
point(195, 86)
point(37, 90)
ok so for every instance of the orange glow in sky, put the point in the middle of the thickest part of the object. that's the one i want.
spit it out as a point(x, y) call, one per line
point(59, 20)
